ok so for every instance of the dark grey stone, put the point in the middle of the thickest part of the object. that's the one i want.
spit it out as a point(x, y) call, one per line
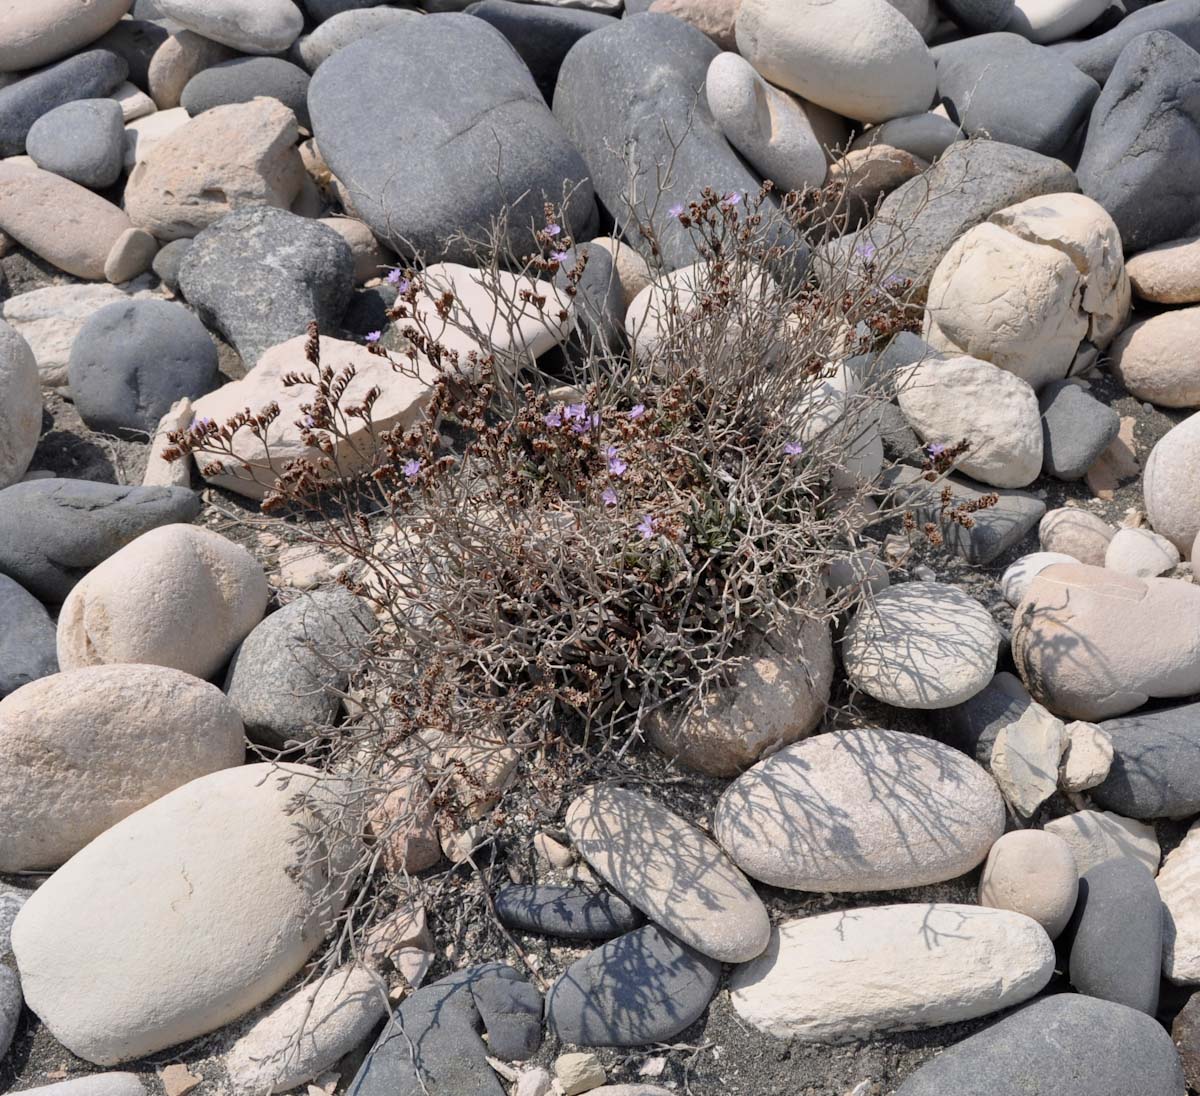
point(320, 10)
point(432, 1047)
point(900, 443)
point(133, 359)
point(1186, 1033)
point(1076, 429)
point(337, 32)
point(1097, 56)
point(28, 645)
point(83, 141)
point(1116, 935)
point(541, 33)
point(1064, 1045)
point(11, 1002)
point(426, 159)
point(918, 221)
point(246, 78)
point(259, 276)
point(282, 674)
point(11, 902)
point(92, 74)
point(1143, 142)
point(571, 913)
point(979, 16)
point(511, 1010)
point(136, 41)
point(599, 303)
point(973, 725)
point(167, 262)
point(368, 310)
point(53, 531)
point(1155, 770)
point(639, 85)
point(1007, 88)
point(643, 987)
point(992, 531)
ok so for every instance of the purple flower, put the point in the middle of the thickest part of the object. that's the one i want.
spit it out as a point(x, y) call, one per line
point(554, 420)
point(558, 256)
point(553, 230)
point(793, 449)
point(892, 280)
point(583, 427)
point(616, 466)
point(576, 412)
point(866, 252)
point(310, 422)
point(202, 423)
point(411, 469)
point(646, 527)
point(637, 411)
point(609, 496)
point(675, 210)
point(731, 199)
point(373, 336)
point(935, 450)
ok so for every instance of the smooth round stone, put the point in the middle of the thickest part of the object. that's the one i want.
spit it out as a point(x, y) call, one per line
point(246, 78)
point(1117, 935)
point(715, 18)
point(1032, 872)
point(27, 642)
point(978, 16)
point(1016, 579)
point(1171, 484)
point(1141, 553)
point(177, 596)
point(1155, 770)
point(1076, 429)
point(948, 399)
point(370, 260)
point(49, 319)
point(83, 141)
point(1053, 20)
point(670, 871)
point(926, 135)
point(33, 34)
point(286, 677)
point(1090, 643)
point(1154, 358)
point(860, 810)
point(90, 75)
point(20, 405)
point(264, 26)
point(860, 58)
point(1065, 1045)
point(1076, 533)
point(131, 255)
point(1167, 273)
point(133, 360)
point(1177, 883)
point(576, 912)
point(176, 61)
point(54, 531)
point(839, 977)
point(764, 124)
point(167, 262)
point(340, 30)
point(182, 917)
point(136, 41)
point(1097, 836)
point(643, 987)
point(921, 645)
point(80, 751)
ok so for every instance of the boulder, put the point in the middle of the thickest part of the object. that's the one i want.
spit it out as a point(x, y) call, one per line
point(1167, 273)
point(1181, 925)
point(925, 135)
point(1017, 577)
point(27, 642)
point(1076, 533)
point(921, 645)
point(244, 79)
point(20, 405)
point(1097, 836)
point(231, 157)
point(860, 810)
point(838, 978)
point(183, 916)
point(259, 276)
point(670, 871)
point(1067, 1044)
point(83, 141)
point(1076, 429)
point(424, 162)
point(345, 27)
point(266, 26)
point(1145, 131)
point(1155, 770)
point(405, 396)
point(1090, 643)
point(1171, 484)
point(1032, 872)
point(862, 58)
point(177, 60)
point(1152, 358)
point(1097, 56)
point(576, 912)
point(643, 987)
point(177, 596)
point(32, 35)
point(80, 751)
point(1141, 553)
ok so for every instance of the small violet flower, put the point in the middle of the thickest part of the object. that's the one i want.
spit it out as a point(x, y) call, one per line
point(866, 252)
point(637, 411)
point(411, 469)
point(793, 449)
point(646, 527)
point(583, 427)
point(576, 412)
point(553, 230)
point(609, 496)
point(675, 211)
point(373, 336)
point(310, 422)
point(202, 423)
point(558, 256)
point(731, 199)
point(616, 466)
point(554, 419)
point(935, 450)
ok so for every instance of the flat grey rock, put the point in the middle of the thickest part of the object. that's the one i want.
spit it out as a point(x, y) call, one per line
point(83, 141)
point(643, 987)
point(1097, 56)
point(259, 276)
point(1143, 138)
point(427, 159)
point(1116, 935)
point(133, 359)
point(246, 78)
point(1076, 429)
point(574, 912)
point(27, 639)
point(53, 531)
point(1064, 1045)
point(1156, 764)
